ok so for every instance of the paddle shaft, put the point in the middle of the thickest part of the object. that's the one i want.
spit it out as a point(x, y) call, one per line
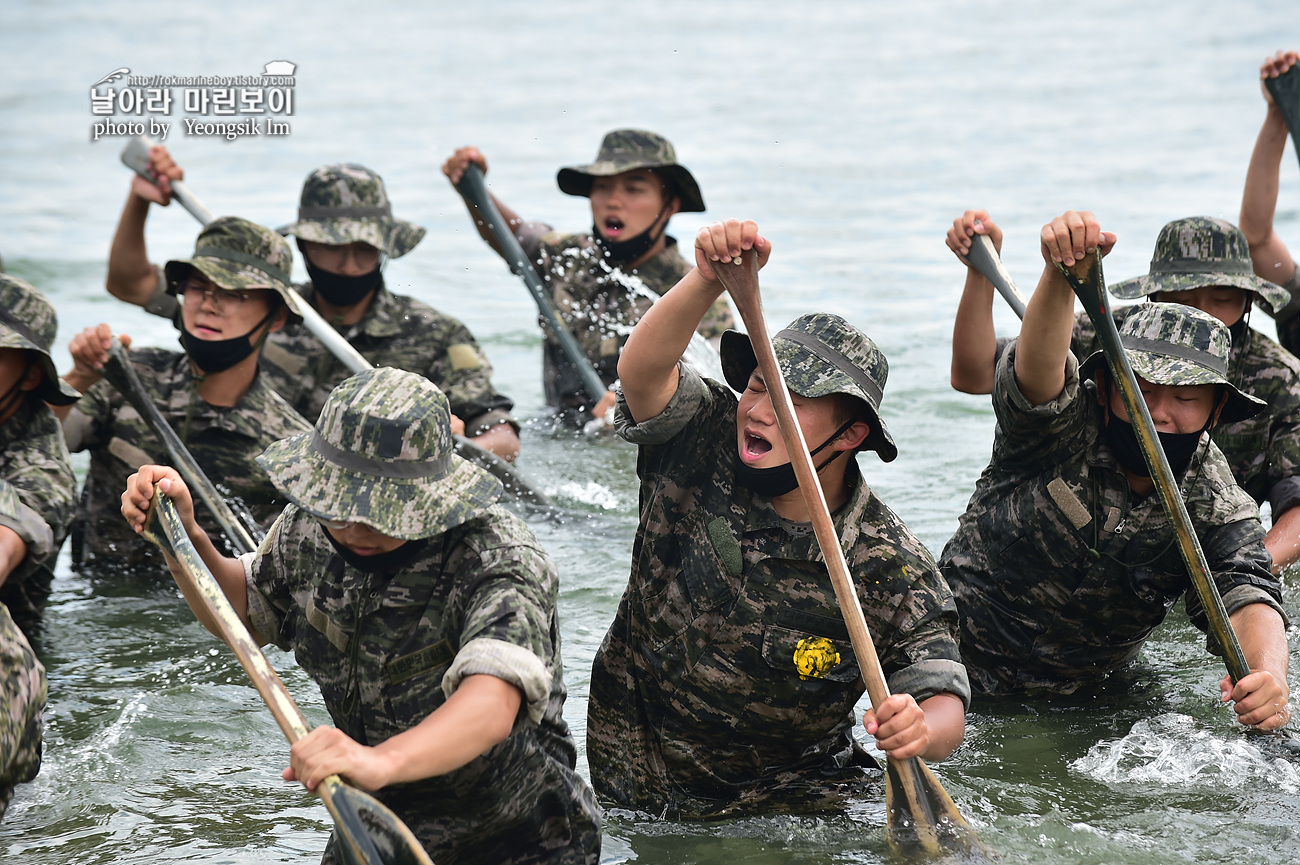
point(984, 258)
point(122, 375)
point(136, 157)
point(1088, 283)
point(474, 190)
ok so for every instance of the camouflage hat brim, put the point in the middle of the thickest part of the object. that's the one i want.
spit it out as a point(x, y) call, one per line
point(364, 491)
point(393, 237)
point(1275, 297)
point(577, 179)
point(1178, 365)
point(234, 275)
point(52, 389)
point(738, 362)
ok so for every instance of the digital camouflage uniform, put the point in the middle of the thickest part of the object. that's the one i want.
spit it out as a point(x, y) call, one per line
point(225, 440)
point(1288, 319)
point(388, 648)
point(1264, 451)
point(1060, 571)
point(346, 203)
point(36, 503)
point(597, 298)
point(727, 681)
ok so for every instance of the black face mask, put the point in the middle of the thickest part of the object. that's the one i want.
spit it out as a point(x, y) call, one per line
point(218, 355)
point(339, 290)
point(383, 563)
point(623, 251)
point(1238, 330)
point(1178, 447)
point(779, 480)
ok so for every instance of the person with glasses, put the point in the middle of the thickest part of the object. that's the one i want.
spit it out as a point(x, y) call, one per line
point(345, 231)
point(426, 612)
point(232, 294)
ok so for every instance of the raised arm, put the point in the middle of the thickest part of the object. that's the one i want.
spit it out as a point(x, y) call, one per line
point(1269, 254)
point(455, 167)
point(974, 342)
point(647, 367)
point(1049, 317)
point(131, 276)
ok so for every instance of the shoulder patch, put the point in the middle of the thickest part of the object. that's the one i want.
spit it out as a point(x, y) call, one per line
point(463, 356)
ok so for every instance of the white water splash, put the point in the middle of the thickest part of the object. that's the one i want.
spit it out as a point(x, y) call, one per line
point(1172, 749)
point(589, 493)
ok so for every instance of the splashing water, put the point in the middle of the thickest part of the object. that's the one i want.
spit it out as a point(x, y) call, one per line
point(1169, 749)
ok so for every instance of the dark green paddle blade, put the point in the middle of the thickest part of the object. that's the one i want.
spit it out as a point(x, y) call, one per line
point(1285, 90)
point(368, 832)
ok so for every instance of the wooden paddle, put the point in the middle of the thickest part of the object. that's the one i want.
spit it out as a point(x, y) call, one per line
point(1088, 283)
point(1285, 90)
point(984, 258)
point(367, 832)
point(242, 529)
point(135, 155)
point(921, 815)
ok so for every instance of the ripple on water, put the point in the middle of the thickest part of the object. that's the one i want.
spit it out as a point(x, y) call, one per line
point(1174, 749)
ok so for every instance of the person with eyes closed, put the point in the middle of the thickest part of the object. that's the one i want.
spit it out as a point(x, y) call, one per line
point(232, 293)
point(1203, 262)
point(599, 279)
point(1064, 562)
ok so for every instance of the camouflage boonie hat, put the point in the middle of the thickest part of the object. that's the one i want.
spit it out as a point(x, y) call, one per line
point(28, 322)
point(346, 203)
point(1201, 251)
point(820, 354)
point(237, 254)
point(626, 149)
point(1175, 344)
point(382, 454)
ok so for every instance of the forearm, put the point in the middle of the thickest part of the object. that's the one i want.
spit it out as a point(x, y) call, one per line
point(945, 716)
point(513, 221)
point(229, 574)
point(1283, 539)
point(501, 440)
point(974, 342)
point(131, 277)
point(1262, 636)
point(12, 552)
point(480, 715)
point(647, 366)
point(1045, 338)
point(1269, 255)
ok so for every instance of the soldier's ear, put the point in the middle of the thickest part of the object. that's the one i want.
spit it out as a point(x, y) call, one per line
point(32, 378)
point(280, 319)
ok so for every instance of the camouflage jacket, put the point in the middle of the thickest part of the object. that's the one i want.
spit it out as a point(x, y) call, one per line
point(396, 331)
point(1263, 451)
point(389, 649)
point(1060, 572)
point(37, 501)
point(223, 440)
point(601, 303)
point(1288, 329)
point(22, 700)
point(727, 680)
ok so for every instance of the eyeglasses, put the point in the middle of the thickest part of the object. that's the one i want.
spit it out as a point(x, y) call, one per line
point(192, 293)
point(334, 257)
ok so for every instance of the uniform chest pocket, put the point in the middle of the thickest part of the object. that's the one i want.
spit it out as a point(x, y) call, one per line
point(694, 568)
point(805, 656)
point(413, 682)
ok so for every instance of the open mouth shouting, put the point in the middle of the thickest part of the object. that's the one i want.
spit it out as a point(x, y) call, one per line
point(613, 227)
point(753, 446)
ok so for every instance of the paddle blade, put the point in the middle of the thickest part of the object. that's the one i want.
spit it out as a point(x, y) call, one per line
point(366, 832)
point(923, 821)
point(1285, 90)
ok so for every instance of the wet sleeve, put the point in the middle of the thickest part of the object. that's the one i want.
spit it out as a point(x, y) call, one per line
point(88, 417)
point(1241, 569)
point(1283, 448)
point(37, 501)
point(530, 236)
point(25, 522)
point(268, 593)
point(685, 404)
point(509, 624)
point(463, 372)
point(1030, 436)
